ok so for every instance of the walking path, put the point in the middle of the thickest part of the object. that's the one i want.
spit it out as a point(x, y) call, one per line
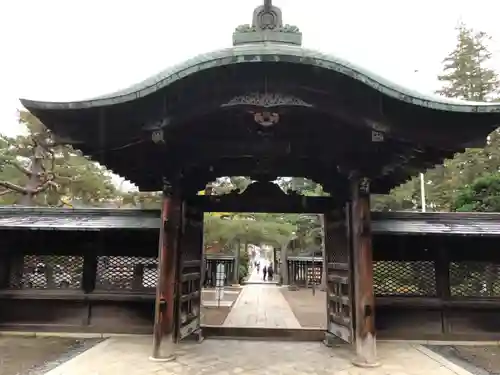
point(129, 355)
point(257, 278)
point(261, 306)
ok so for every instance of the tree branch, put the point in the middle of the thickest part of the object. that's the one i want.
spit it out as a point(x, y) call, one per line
point(23, 190)
point(22, 169)
point(5, 192)
point(13, 187)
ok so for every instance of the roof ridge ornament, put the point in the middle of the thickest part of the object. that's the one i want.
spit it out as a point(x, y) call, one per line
point(267, 26)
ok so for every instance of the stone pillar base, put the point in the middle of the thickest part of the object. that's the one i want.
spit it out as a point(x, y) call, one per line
point(166, 352)
point(366, 352)
point(360, 362)
point(168, 358)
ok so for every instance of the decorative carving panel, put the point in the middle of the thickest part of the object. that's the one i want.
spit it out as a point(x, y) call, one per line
point(267, 100)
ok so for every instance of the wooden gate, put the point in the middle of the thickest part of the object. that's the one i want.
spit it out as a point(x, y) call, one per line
point(340, 311)
point(189, 280)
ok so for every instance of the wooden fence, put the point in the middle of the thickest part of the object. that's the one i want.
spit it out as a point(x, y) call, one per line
point(304, 271)
point(427, 287)
point(82, 281)
point(211, 262)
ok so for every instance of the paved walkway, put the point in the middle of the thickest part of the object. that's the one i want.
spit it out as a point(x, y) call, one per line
point(129, 355)
point(261, 306)
point(257, 277)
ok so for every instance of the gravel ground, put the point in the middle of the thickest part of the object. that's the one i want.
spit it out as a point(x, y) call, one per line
point(209, 295)
point(309, 310)
point(215, 316)
point(35, 356)
point(479, 360)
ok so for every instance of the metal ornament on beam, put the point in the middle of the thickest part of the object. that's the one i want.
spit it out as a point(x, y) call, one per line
point(363, 183)
point(167, 188)
point(377, 136)
point(266, 119)
point(364, 186)
point(157, 136)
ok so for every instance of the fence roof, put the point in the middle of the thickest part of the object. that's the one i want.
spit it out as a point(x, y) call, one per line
point(95, 219)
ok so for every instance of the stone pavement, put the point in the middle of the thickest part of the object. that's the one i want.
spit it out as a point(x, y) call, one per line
point(261, 306)
point(129, 355)
point(257, 277)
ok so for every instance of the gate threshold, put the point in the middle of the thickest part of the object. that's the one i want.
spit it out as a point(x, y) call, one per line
point(288, 334)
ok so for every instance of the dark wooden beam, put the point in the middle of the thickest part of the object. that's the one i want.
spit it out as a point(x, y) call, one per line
point(285, 204)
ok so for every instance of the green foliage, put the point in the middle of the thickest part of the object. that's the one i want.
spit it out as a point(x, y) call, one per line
point(301, 186)
point(244, 265)
point(482, 195)
point(271, 229)
point(467, 76)
point(257, 231)
point(36, 169)
point(136, 199)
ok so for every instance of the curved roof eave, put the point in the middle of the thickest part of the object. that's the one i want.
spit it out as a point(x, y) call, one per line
point(253, 53)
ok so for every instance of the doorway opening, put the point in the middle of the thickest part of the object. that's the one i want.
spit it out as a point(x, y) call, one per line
point(264, 269)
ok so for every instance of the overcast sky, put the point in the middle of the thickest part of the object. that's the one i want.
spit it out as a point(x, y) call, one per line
point(68, 50)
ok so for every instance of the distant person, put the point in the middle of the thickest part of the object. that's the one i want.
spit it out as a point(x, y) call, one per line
point(264, 273)
point(258, 267)
point(270, 272)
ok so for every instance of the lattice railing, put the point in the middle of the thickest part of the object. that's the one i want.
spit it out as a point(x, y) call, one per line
point(474, 279)
point(47, 272)
point(126, 273)
point(404, 278)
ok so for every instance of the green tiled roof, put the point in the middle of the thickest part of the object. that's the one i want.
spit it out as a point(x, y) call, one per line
point(255, 53)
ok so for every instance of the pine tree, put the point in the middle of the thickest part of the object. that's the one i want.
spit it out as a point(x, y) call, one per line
point(465, 74)
point(36, 169)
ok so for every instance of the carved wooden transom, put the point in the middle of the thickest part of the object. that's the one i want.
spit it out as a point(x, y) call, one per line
point(267, 100)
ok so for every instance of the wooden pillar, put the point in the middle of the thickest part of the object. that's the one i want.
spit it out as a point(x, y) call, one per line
point(7, 265)
point(89, 268)
point(4, 271)
point(164, 303)
point(442, 274)
point(362, 252)
point(15, 269)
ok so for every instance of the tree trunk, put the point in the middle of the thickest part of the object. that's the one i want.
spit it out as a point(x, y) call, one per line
point(34, 180)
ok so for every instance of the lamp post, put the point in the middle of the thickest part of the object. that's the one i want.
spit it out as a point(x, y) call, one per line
point(422, 191)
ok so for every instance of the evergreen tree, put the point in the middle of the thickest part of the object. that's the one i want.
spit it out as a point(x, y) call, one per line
point(483, 195)
point(466, 75)
point(36, 169)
